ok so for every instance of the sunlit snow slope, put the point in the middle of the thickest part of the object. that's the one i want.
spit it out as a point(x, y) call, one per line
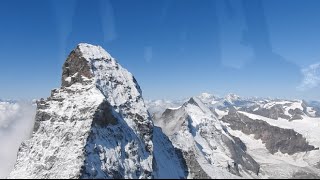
point(281, 136)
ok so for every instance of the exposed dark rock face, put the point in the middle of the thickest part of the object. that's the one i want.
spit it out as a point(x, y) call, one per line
point(296, 114)
point(194, 167)
point(239, 155)
point(182, 161)
point(74, 68)
point(274, 112)
point(275, 138)
point(104, 115)
point(239, 142)
point(193, 101)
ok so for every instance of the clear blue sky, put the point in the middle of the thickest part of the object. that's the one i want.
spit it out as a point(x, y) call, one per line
point(175, 48)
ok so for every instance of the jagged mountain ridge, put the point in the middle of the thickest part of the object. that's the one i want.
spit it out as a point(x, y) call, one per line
point(284, 147)
point(273, 108)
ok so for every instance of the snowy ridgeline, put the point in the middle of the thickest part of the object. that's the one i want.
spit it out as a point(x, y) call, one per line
point(282, 136)
point(97, 125)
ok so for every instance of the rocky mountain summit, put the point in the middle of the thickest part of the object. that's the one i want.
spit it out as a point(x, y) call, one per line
point(95, 126)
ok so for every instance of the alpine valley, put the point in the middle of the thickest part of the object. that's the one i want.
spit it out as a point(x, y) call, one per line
point(97, 125)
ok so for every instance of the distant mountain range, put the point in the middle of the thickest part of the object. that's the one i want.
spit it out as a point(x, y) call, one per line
point(97, 125)
point(277, 138)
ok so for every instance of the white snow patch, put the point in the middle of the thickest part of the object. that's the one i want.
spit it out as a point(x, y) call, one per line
point(311, 111)
point(93, 52)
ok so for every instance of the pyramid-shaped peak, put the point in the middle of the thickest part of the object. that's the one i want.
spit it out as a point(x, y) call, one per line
point(197, 102)
point(98, 111)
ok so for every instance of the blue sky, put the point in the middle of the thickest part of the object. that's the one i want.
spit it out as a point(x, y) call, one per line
point(175, 48)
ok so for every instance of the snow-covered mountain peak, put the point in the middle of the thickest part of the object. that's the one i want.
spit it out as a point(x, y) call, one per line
point(194, 101)
point(198, 103)
point(91, 52)
point(83, 128)
point(80, 64)
point(232, 97)
point(207, 98)
point(89, 64)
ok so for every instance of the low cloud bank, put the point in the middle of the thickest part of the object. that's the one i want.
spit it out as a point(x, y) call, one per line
point(16, 123)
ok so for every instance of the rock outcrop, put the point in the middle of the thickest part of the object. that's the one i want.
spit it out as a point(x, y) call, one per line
point(275, 138)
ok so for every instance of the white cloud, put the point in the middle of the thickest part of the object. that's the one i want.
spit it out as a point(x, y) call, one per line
point(148, 53)
point(311, 77)
point(16, 123)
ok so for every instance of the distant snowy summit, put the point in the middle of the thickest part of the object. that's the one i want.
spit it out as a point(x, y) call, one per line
point(268, 107)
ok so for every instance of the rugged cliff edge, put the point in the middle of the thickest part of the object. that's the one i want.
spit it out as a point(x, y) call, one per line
point(95, 126)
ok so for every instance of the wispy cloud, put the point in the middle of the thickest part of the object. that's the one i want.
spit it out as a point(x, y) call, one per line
point(148, 54)
point(311, 77)
point(108, 21)
point(64, 13)
point(16, 123)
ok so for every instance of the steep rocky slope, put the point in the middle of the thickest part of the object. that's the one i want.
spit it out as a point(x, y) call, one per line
point(95, 126)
